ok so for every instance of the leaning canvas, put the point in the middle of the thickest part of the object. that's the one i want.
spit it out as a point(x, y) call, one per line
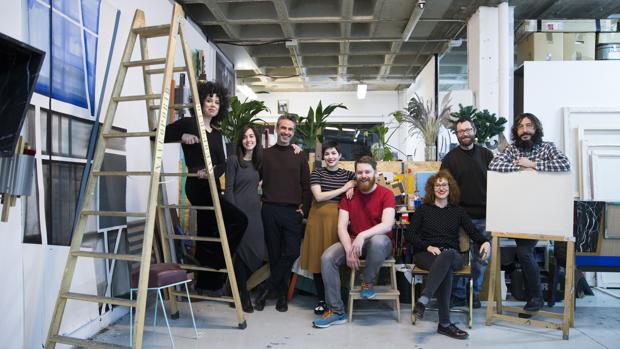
point(530, 202)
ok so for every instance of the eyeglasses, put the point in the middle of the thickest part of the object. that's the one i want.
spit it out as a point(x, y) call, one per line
point(525, 126)
point(467, 130)
point(442, 185)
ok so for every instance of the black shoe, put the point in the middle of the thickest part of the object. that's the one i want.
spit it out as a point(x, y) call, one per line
point(457, 302)
point(524, 315)
point(477, 304)
point(320, 308)
point(418, 310)
point(534, 304)
point(261, 297)
point(282, 304)
point(452, 331)
point(246, 305)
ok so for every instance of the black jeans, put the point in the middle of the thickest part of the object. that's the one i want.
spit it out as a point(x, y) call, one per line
point(210, 254)
point(440, 269)
point(283, 234)
point(531, 271)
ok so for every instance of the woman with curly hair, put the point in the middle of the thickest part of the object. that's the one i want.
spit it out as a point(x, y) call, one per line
point(213, 99)
point(434, 233)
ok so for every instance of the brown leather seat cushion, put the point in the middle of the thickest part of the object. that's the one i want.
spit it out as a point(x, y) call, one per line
point(161, 274)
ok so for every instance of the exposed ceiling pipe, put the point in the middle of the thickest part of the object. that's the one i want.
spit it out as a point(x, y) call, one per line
point(414, 19)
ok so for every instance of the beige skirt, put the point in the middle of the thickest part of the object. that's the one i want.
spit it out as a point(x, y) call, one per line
point(321, 232)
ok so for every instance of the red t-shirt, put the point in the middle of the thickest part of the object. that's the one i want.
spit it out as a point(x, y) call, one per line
point(365, 210)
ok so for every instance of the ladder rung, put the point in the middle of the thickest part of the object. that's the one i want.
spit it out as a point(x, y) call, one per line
point(196, 267)
point(100, 299)
point(154, 31)
point(85, 343)
point(136, 98)
point(176, 106)
point(122, 257)
point(129, 134)
point(195, 238)
point(121, 173)
point(199, 296)
point(114, 213)
point(152, 61)
point(188, 207)
point(178, 174)
point(161, 70)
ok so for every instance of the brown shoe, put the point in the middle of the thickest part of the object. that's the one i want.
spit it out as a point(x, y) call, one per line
point(452, 331)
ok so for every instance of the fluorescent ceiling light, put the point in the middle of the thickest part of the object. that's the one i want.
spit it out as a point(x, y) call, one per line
point(361, 91)
point(245, 90)
point(343, 129)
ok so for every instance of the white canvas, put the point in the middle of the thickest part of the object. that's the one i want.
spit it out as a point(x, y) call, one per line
point(585, 164)
point(586, 117)
point(529, 202)
point(605, 165)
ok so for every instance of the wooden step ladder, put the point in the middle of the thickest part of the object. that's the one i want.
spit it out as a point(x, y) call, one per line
point(155, 207)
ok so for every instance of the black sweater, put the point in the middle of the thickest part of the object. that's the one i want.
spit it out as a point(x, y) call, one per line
point(193, 152)
point(469, 169)
point(286, 177)
point(439, 227)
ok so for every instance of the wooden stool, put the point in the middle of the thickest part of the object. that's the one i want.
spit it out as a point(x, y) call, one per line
point(383, 292)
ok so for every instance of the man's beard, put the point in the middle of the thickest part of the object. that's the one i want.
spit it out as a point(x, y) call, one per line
point(366, 186)
point(525, 144)
point(466, 141)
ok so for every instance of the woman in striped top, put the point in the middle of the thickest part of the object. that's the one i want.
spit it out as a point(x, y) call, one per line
point(327, 185)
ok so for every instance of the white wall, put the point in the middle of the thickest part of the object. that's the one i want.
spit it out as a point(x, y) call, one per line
point(32, 272)
point(551, 85)
point(423, 86)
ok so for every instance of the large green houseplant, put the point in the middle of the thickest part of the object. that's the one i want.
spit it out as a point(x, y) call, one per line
point(241, 114)
point(311, 126)
point(382, 150)
point(487, 124)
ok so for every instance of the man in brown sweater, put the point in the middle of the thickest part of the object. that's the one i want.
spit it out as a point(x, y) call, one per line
point(286, 200)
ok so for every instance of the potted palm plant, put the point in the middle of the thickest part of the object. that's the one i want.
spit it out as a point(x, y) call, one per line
point(311, 126)
point(241, 114)
point(381, 150)
point(423, 120)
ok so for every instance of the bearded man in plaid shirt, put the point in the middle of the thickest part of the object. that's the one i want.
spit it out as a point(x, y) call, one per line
point(529, 153)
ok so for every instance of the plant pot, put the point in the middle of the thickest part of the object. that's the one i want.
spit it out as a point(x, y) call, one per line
point(430, 152)
point(378, 151)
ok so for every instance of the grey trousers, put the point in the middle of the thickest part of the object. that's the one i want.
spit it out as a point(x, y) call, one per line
point(375, 251)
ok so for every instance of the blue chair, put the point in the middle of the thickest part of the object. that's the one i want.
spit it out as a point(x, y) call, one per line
point(162, 276)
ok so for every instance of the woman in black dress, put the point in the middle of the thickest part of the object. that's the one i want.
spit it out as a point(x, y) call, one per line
point(214, 102)
point(242, 180)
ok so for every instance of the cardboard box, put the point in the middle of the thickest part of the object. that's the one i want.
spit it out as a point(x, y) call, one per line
point(579, 46)
point(541, 47)
point(608, 38)
point(565, 26)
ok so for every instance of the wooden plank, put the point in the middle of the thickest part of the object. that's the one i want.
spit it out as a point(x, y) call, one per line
point(121, 173)
point(194, 238)
point(153, 31)
point(144, 62)
point(528, 322)
point(99, 299)
point(136, 98)
point(191, 207)
point(121, 257)
point(112, 213)
point(492, 275)
point(175, 106)
point(533, 236)
point(540, 312)
point(128, 134)
point(84, 343)
point(199, 268)
point(161, 70)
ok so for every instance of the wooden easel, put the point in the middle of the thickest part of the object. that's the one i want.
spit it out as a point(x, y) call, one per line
point(567, 317)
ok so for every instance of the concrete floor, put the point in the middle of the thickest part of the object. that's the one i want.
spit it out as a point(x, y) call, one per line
point(596, 326)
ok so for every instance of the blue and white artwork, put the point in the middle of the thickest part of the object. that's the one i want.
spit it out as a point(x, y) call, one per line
point(73, 44)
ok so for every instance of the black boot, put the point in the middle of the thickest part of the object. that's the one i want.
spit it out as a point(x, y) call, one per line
point(261, 297)
point(282, 304)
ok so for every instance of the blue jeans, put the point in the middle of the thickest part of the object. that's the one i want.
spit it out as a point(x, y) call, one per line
point(375, 250)
point(478, 267)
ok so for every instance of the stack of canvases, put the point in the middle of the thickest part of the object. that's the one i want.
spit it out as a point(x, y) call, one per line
point(592, 143)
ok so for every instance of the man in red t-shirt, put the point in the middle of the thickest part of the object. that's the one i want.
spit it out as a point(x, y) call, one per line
point(364, 230)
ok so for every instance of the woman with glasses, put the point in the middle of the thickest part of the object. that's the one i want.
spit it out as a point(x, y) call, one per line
point(434, 234)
